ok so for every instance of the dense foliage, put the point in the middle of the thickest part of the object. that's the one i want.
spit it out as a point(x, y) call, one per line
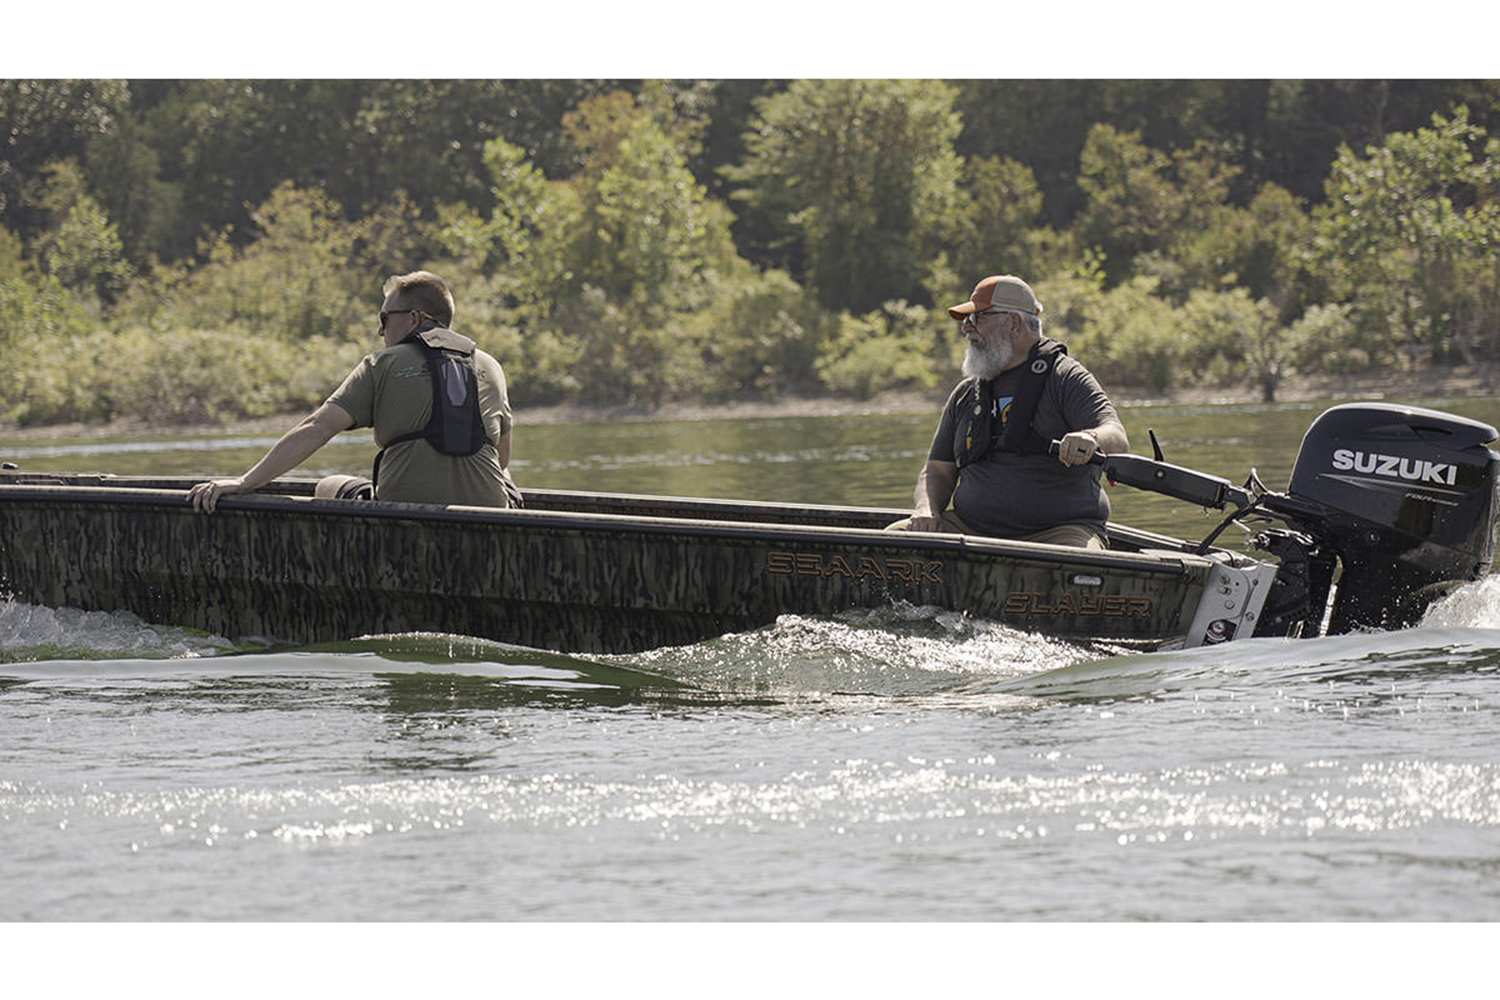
point(208, 249)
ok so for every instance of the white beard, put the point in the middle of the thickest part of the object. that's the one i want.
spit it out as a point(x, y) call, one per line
point(987, 361)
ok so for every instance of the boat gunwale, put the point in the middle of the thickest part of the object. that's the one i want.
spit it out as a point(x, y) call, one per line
point(1156, 561)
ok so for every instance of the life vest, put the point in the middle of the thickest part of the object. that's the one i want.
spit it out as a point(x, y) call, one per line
point(972, 430)
point(456, 426)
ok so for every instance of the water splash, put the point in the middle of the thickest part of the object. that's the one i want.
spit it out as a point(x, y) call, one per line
point(1474, 605)
point(30, 632)
point(890, 651)
point(894, 651)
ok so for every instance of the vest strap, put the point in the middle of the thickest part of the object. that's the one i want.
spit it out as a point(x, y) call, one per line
point(456, 427)
point(972, 430)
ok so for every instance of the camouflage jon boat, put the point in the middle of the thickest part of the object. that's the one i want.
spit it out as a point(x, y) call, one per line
point(571, 571)
point(593, 572)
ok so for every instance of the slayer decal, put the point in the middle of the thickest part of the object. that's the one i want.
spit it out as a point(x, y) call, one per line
point(854, 568)
point(1091, 605)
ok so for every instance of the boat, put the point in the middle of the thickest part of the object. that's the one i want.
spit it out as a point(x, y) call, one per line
point(1388, 509)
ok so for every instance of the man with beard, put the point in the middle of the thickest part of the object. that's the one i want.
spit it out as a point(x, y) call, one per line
point(991, 459)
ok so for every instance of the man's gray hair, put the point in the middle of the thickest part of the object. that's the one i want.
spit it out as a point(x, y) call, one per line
point(1033, 321)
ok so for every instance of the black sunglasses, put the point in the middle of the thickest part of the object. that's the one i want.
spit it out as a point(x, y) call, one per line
point(973, 317)
point(385, 316)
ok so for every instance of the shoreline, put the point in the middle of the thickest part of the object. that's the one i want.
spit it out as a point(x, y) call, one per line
point(1404, 385)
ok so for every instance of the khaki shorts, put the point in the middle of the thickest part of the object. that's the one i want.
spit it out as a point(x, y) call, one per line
point(345, 488)
point(1075, 535)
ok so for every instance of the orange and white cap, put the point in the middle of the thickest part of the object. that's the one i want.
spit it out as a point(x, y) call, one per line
point(999, 291)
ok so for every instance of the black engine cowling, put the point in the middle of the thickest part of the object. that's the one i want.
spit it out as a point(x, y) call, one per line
point(1405, 498)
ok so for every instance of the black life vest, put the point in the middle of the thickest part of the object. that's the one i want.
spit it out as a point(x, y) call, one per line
point(456, 426)
point(972, 430)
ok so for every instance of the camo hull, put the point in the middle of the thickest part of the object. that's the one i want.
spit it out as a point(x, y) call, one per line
point(574, 572)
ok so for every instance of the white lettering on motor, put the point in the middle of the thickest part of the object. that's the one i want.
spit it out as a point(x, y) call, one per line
point(1394, 467)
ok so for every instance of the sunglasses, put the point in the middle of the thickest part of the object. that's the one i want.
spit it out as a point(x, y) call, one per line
point(973, 318)
point(386, 315)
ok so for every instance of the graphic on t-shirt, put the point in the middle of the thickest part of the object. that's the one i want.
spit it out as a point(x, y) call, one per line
point(1002, 410)
point(999, 414)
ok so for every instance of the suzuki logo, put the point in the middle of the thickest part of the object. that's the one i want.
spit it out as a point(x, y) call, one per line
point(1395, 467)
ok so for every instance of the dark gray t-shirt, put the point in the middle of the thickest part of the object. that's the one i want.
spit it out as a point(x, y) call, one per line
point(1008, 495)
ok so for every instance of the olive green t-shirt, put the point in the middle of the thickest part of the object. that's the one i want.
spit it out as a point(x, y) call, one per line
point(391, 391)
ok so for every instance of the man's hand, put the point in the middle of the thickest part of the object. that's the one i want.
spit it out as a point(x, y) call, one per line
point(205, 496)
point(1077, 447)
point(935, 486)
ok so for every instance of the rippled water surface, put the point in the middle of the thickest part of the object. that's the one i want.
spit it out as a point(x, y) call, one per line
point(897, 765)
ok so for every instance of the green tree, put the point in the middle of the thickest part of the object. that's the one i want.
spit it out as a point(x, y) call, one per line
point(859, 180)
point(394, 238)
point(519, 251)
point(75, 241)
point(646, 233)
point(1282, 131)
point(224, 145)
point(39, 310)
point(1325, 337)
point(645, 249)
point(1145, 206)
point(1045, 124)
point(1270, 255)
point(1127, 334)
point(1408, 235)
point(1301, 125)
point(992, 232)
point(124, 174)
point(293, 281)
point(86, 254)
point(430, 137)
point(612, 279)
point(12, 253)
point(42, 122)
point(764, 337)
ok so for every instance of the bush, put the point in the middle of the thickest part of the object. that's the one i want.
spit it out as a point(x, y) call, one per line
point(1127, 333)
point(762, 337)
point(1237, 339)
point(1327, 335)
point(44, 331)
point(294, 282)
point(541, 364)
point(57, 388)
point(189, 376)
point(884, 349)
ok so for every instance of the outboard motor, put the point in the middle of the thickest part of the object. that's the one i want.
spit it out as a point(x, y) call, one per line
point(1405, 498)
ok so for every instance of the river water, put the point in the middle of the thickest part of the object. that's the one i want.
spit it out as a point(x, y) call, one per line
point(901, 765)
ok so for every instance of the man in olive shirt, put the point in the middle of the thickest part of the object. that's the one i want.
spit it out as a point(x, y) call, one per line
point(999, 477)
point(391, 390)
